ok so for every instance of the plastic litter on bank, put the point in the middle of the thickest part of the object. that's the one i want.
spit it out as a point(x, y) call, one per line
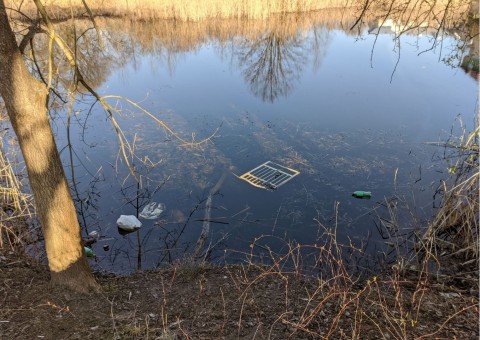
point(362, 194)
point(128, 223)
point(152, 211)
point(89, 252)
point(269, 175)
point(94, 234)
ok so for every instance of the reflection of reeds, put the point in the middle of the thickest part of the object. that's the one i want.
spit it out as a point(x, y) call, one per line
point(170, 36)
point(187, 36)
point(166, 38)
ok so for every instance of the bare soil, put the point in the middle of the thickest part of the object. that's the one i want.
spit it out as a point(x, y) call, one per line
point(191, 301)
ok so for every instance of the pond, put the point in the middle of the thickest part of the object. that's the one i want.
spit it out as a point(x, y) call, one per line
point(349, 110)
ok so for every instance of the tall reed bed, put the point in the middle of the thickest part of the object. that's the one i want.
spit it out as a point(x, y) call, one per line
point(442, 11)
point(191, 10)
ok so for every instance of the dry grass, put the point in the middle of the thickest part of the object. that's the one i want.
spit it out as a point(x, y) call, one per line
point(334, 303)
point(191, 10)
point(242, 302)
point(16, 207)
point(455, 230)
point(195, 10)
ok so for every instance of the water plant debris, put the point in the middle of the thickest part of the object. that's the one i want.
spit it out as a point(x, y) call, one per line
point(269, 175)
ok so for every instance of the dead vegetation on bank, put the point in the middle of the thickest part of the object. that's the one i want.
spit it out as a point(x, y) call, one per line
point(300, 291)
point(454, 231)
point(251, 301)
point(16, 206)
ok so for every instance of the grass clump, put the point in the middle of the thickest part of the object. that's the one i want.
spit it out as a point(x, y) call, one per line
point(454, 231)
point(189, 269)
point(16, 206)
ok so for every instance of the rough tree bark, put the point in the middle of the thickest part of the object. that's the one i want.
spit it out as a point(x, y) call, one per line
point(26, 102)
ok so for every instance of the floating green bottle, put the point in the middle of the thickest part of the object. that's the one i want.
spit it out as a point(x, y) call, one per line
point(89, 252)
point(362, 194)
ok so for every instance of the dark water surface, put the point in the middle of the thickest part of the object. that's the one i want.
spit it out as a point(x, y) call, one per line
point(316, 100)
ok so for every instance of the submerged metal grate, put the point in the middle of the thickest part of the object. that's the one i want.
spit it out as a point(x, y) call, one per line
point(269, 175)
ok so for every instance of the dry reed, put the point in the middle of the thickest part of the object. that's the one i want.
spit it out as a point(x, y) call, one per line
point(16, 207)
point(195, 10)
point(185, 10)
point(335, 303)
point(455, 230)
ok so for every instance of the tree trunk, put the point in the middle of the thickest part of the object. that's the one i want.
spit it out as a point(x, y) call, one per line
point(26, 102)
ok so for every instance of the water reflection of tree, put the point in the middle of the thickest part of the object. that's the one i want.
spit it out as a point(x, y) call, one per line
point(273, 62)
point(271, 52)
point(94, 62)
point(470, 50)
point(437, 20)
